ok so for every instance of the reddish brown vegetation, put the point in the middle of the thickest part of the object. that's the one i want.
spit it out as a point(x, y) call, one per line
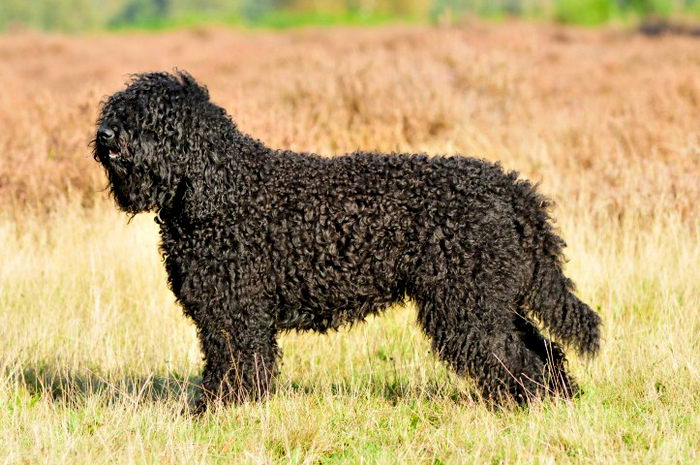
point(608, 120)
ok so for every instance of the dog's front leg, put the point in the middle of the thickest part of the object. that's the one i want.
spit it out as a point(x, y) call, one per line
point(240, 354)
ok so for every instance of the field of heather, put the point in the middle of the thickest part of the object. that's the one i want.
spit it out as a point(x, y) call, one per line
point(98, 363)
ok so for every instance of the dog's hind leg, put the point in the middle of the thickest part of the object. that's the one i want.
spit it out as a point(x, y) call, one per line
point(482, 342)
point(558, 381)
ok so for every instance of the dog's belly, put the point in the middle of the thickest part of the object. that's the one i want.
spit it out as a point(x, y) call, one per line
point(330, 313)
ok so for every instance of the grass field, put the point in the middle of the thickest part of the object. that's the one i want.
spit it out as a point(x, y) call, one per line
point(98, 362)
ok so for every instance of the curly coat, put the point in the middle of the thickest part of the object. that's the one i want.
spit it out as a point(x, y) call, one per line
point(258, 241)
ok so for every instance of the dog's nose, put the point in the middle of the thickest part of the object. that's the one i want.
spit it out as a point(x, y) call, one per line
point(105, 134)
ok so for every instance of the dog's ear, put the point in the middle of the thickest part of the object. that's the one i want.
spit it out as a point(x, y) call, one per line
point(191, 84)
point(150, 149)
point(203, 195)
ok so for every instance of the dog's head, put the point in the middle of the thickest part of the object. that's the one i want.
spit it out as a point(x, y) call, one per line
point(144, 137)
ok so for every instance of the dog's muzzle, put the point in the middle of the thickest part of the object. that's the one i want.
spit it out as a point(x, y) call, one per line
point(106, 137)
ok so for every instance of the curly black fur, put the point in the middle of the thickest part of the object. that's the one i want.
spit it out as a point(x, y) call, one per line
point(258, 241)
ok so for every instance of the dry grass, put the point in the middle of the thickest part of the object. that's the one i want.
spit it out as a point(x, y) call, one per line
point(604, 116)
point(97, 361)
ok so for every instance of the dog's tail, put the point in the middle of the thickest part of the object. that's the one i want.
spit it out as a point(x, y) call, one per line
point(550, 298)
point(552, 301)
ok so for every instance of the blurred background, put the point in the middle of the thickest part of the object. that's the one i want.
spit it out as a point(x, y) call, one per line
point(81, 15)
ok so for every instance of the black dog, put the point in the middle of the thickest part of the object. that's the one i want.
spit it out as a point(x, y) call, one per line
point(258, 241)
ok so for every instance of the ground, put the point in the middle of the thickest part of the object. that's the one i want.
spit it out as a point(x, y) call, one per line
point(604, 119)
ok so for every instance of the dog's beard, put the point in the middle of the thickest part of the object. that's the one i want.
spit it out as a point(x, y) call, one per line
point(136, 177)
point(128, 184)
point(132, 191)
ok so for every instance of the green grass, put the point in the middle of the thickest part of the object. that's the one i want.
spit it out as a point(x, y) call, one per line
point(580, 12)
point(281, 19)
point(176, 22)
point(277, 19)
point(68, 17)
point(586, 12)
point(98, 364)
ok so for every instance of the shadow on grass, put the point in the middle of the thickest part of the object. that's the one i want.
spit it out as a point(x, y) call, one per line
point(59, 383)
point(63, 385)
point(393, 390)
